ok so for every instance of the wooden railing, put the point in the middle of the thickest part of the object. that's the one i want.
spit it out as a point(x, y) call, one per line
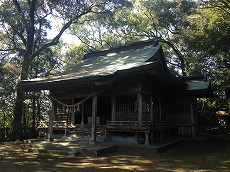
point(187, 130)
point(60, 124)
point(123, 123)
point(136, 125)
point(56, 125)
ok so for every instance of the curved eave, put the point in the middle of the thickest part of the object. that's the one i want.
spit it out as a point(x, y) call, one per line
point(199, 88)
point(152, 68)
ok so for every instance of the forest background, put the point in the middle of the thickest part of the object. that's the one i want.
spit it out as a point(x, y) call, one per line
point(195, 35)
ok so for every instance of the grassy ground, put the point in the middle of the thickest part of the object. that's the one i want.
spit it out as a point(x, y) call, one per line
point(200, 156)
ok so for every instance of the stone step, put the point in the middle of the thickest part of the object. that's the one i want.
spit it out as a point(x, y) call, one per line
point(54, 152)
point(72, 149)
point(99, 151)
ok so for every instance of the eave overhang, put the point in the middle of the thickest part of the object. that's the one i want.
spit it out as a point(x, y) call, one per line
point(199, 88)
point(153, 68)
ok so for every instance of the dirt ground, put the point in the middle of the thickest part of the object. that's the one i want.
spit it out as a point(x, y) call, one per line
point(200, 156)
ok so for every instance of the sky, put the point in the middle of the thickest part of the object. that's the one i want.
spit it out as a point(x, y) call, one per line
point(67, 38)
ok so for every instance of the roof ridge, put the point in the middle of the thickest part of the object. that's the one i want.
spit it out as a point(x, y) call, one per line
point(134, 45)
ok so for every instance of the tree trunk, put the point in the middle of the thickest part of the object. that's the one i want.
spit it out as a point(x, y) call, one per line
point(18, 109)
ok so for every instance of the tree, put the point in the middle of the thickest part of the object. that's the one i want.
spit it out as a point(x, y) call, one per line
point(162, 20)
point(8, 75)
point(207, 40)
point(74, 54)
point(23, 33)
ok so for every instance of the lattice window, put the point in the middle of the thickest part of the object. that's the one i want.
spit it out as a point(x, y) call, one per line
point(126, 108)
point(126, 104)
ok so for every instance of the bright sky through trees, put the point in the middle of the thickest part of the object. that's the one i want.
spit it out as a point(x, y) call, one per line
point(67, 38)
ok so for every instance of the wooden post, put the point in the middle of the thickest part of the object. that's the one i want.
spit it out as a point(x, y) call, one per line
point(192, 118)
point(139, 103)
point(113, 107)
point(147, 137)
point(72, 115)
point(94, 116)
point(160, 112)
point(51, 120)
point(151, 108)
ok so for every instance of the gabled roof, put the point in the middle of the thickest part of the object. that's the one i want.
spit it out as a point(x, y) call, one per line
point(134, 57)
point(111, 62)
point(109, 65)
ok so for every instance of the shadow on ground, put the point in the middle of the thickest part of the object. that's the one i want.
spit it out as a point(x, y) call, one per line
point(190, 155)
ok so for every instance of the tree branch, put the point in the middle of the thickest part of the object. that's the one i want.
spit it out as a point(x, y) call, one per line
point(179, 55)
point(18, 7)
point(20, 35)
point(86, 43)
point(58, 36)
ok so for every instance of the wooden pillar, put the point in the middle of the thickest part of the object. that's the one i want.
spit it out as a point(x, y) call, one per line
point(139, 104)
point(192, 118)
point(160, 111)
point(113, 107)
point(51, 120)
point(94, 116)
point(147, 137)
point(151, 108)
point(72, 115)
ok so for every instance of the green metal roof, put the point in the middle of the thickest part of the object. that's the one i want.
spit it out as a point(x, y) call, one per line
point(104, 65)
point(197, 85)
point(202, 88)
point(142, 57)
